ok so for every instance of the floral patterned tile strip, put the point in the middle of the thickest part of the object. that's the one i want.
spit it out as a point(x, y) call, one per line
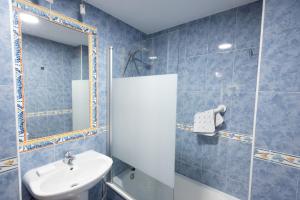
point(276, 157)
point(8, 164)
point(225, 134)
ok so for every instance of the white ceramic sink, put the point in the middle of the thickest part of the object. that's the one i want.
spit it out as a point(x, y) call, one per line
point(59, 181)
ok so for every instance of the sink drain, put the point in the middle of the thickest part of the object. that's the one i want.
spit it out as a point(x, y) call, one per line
point(74, 185)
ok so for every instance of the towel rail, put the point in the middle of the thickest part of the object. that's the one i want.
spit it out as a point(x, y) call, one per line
point(220, 109)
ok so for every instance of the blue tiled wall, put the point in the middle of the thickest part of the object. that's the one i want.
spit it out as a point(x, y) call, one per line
point(278, 113)
point(111, 32)
point(191, 51)
point(8, 148)
point(50, 88)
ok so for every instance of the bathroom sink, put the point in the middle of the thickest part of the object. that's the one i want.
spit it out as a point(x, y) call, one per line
point(60, 181)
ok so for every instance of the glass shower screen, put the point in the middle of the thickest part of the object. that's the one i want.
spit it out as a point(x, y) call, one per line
point(143, 135)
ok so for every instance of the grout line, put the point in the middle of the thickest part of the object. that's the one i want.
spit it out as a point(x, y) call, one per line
point(256, 99)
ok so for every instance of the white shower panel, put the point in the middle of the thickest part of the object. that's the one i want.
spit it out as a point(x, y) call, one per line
point(80, 104)
point(144, 124)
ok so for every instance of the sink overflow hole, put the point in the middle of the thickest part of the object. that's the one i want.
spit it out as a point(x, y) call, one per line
point(74, 185)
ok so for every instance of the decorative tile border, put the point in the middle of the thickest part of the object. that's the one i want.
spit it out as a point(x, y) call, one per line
point(236, 136)
point(49, 113)
point(40, 143)
point(8, 164)
point(185, 127)
point(53, 16)
point(27, 6)
point(225, 134)
point(276, 157)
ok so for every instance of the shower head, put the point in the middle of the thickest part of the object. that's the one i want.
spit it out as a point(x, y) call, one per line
point(134, 59)
point(135, 51)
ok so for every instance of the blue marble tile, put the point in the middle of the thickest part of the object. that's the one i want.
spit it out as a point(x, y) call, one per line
point(242, 112)
point(197, 37)
point(280, 61)
point(191, 150)
point(68, 122)
point(273, 182)
point(160, 49)
point(180, 135)
point(278, 119)
point(237, 189)
point(8, 123)
point(281, 15)
point(221, 29)
point(67, 98)
point(238, 161)
point(75, 146)
point(189, 171)
point(33, 159)
point(37, 127)
point(173, 51)
point(189, 103)
point(102, 23)
point(102, 113)
point(219, 71)
point(215, 154)
point(182, 42)
point(55, 98)
point(245, 70)
point(36, 99)
point(9, 185)
point(97, 143)
point(67, 7)
point(248, 19)
point(55, 124)
point(6, 77)
point(214, 180)
point(191, 74)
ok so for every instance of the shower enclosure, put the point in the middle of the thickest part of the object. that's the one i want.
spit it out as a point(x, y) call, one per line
point(191, 60)
point(141, 171)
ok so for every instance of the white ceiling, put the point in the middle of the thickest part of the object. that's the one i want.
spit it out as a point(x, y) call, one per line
point(150, 16)
point(52, 31)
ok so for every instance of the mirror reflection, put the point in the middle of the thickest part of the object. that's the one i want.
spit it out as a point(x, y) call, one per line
point(56, 78)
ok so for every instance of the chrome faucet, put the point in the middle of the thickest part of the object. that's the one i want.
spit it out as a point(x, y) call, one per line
point(69, 157)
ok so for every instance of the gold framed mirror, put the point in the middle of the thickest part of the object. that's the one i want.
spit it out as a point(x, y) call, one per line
point(55, 60)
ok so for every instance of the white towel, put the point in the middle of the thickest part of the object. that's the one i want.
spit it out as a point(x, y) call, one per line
point(204, 122)
point(219, 119)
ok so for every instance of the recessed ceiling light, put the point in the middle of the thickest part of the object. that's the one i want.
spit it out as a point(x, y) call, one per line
point(27, 18)
point(218, 74)
point(152, 57)
point(225, 46)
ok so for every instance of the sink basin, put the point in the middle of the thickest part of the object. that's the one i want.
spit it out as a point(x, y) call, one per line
point(59, 181)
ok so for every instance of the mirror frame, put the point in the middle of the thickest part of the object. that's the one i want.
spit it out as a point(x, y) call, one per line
point(26, 6)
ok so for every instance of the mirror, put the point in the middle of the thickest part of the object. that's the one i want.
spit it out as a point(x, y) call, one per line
point(56, 80)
